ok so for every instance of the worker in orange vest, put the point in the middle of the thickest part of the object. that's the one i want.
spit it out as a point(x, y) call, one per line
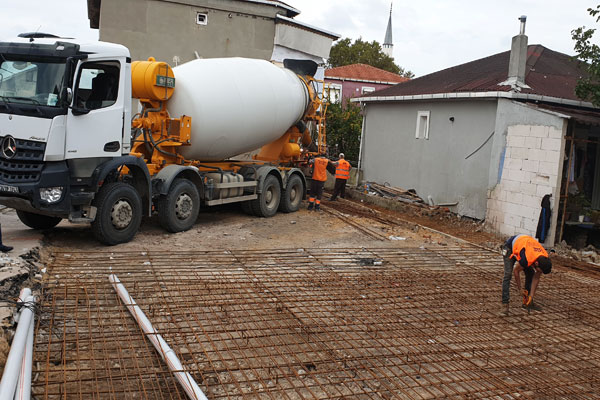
point(342, 173)
point(524, 253)
point(319, 177)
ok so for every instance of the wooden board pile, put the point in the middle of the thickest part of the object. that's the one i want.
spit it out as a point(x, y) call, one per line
point(399, 194)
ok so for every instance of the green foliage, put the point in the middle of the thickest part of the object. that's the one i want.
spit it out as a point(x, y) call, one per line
point(588, 88)
point(344, 125)
point(344, 52)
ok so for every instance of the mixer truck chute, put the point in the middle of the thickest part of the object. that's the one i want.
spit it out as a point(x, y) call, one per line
point(66, 107)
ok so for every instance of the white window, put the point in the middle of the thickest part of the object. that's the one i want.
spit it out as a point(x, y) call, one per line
point(202, 18)
point(422, 131)
point(367, 89)
point(334, 92)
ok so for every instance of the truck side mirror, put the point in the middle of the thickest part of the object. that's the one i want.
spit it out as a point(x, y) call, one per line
point(67, 96)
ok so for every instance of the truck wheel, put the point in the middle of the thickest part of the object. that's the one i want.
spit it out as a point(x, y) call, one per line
point(292, 195)
point(37, 221)
point(247, 207)
point(178, 210)
point(268, 201)
point(119, 213)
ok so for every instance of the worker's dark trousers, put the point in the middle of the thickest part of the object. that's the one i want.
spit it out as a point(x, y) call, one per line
point(339, 188)
point(316, 192)
point(508, 270)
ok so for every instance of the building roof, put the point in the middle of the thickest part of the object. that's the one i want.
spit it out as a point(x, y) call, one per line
point(305, 26)
point(93, 7)
point(363, 72)
point(548, 74)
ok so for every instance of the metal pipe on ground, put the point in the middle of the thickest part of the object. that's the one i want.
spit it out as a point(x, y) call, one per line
point(168, 355)
point(18, 352)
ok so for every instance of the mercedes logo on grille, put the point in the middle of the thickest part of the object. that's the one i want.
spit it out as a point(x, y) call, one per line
point(9, 147)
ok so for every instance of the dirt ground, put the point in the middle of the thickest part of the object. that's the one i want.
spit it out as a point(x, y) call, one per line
point(353, 226)
point(230, 228)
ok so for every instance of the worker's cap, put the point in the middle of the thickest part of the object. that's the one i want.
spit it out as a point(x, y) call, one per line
point(341, 155)
point(544, 264)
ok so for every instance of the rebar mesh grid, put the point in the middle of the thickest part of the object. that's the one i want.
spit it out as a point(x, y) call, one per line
point(380, 323)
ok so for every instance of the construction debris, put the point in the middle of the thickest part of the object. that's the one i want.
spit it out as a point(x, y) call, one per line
point(404, 196)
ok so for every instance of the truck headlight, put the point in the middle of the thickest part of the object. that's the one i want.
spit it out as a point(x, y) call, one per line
point(51, 194)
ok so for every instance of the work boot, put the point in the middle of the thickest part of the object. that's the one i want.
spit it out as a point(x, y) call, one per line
point(533, 307)
point(504, 311)
point(3, 248)
point(310, 206)
point(318, 207)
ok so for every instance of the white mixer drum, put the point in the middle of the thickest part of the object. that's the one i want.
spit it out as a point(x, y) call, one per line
point(236, 104)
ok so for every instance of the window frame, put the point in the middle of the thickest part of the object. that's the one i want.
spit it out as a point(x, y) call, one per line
point(423, 115)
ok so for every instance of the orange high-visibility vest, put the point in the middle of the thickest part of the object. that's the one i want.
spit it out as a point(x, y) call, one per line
point(533, 249)
point(343, 169)
point(320, 169)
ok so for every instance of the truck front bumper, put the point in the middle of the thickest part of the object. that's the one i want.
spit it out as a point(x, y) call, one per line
point(26, 196)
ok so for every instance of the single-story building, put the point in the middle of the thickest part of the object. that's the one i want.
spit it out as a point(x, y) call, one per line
point(491, 138)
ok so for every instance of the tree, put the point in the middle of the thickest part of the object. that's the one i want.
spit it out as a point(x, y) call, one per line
point(588, 88)
point(344, 52)
point(344, 125)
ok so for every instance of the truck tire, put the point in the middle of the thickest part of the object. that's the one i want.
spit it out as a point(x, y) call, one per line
point(119, 213)
point(37, 221)
point(267, 203)
point(178, 210)
point(292, 195)
point(247, 207)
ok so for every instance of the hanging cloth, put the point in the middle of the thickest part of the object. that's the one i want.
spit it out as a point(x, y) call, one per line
point(544, 221)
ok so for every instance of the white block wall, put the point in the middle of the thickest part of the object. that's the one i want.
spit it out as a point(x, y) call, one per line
point(532, 168)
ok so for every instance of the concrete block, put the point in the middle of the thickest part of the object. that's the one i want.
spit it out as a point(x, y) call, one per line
point(542, 190)
point(516, 175)
point(539, 131)
point(519, 152)
point(528, 177)
point(509, 185)
point(528, 188)
point(533, 143)
point(531, 201)
point(537, 155)
point(551, 144)
point(552, 156)
point(530, 225)
point(516, 141)
point(514, 197)
point(530, 165)
point(506, 230)
point(513, 220)
point(519, 130)
point(548, 168)
point(554, 133)
point(541, 179)
point(513, 163)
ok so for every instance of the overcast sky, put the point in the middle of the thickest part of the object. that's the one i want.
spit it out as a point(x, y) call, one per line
point(429, 35)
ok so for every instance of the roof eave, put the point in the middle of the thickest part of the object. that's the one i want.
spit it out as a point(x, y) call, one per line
point(475, 95)
point(312, 28)
point(340, 78)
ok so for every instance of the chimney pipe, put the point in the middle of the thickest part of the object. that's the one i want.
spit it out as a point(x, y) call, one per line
point(518, 59)
point(523, 19)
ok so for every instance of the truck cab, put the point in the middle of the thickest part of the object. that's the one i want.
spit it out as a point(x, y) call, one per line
point(65, 111)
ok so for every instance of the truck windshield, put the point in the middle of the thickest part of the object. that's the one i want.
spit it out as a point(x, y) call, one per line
point(30, 81)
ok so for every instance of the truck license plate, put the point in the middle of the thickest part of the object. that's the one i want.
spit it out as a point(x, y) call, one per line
point(8, 188)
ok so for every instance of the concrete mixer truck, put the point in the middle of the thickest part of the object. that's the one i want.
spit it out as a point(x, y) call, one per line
point(70, 147)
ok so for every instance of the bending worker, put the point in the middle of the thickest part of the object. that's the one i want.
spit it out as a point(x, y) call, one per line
point(524, 253)
point(319, 177)
point(342, 173)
